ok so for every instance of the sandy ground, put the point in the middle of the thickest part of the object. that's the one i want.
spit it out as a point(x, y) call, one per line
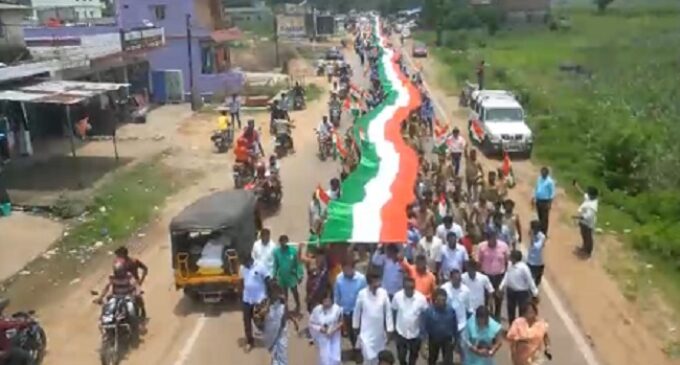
point(21, 242)
point(611, 324)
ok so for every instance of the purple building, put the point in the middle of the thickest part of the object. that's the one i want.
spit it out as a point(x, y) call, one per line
point(212, 69)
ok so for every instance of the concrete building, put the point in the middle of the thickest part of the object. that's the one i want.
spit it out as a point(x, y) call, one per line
point(212, 70)
point(67, 10)
point(254, 17)
point(11, 17)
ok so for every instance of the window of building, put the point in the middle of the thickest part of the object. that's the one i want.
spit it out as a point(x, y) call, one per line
point(158, 11)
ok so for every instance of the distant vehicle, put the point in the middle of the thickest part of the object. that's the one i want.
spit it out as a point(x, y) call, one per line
point(406, 32)
point(497, 124)
point(419, 50)
point(334, 54)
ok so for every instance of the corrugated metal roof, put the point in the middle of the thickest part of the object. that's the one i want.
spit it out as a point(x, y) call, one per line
point(59, 92)
point(17, 72)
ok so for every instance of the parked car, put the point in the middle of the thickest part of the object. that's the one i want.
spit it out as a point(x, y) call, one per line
point(497, 124)
point(419, 50)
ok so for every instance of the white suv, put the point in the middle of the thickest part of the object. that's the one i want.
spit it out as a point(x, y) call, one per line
point(497, 123)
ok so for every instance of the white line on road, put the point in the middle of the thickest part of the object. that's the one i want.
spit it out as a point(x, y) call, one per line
point(579, 339)
point(191, 342)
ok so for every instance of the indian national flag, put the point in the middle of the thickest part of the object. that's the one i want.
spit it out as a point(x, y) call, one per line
point(442, 207)
point(339, 145)
point(323, 197)
point(372, 206)
point(441, 132)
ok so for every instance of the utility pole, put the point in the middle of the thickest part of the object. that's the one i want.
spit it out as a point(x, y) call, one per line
point(276, 37)
point(192, 89)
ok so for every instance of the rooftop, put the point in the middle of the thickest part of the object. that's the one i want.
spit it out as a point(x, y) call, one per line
point(59, 92)
point(501, 102)
point(5, 6)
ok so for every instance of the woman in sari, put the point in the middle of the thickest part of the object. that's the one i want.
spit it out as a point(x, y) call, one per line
point(481, 339)
point(528, 336)
point(276, 326)
point(325, 323)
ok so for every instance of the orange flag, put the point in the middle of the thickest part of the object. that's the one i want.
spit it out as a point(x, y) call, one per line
point(507, 164)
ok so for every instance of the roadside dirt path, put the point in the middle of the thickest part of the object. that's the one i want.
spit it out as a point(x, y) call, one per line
point(612, 325)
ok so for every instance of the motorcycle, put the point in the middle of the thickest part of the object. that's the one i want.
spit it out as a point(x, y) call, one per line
point(269, 193)
point(299, 102)
point(27, 334)
point(118, 332)
point(222, 140)
point(325, 146)
point(283, 141)
point(242, 174)
point(335, 114)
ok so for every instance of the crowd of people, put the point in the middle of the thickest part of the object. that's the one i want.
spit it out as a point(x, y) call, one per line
point(441, 294)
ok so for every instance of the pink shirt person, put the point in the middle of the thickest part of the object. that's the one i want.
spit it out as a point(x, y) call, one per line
point(493, 260)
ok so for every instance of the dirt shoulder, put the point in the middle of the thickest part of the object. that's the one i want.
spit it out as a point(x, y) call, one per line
point(614, 326)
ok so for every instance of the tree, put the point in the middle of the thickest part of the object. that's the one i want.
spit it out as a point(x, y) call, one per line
point(603, 4)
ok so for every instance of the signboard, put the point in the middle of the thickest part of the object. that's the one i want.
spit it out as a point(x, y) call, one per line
point(290, 26)
point(143, 38)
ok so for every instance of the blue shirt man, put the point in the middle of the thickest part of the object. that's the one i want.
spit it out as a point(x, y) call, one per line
point(347, 287)
point(545, 186)
point(544, 193)
point(440, 326)
point(393, 274)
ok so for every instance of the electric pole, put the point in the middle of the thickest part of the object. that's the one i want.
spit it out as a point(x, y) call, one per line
point(276, 37)
point(192, 89)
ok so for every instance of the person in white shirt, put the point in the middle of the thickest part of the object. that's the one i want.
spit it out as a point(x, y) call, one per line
point(325, 323)
point(408, 305)
point(263, 250)
point(519, 285)
point(334, 191)
point(458, 297)
point(372, 317)
point(587, 216)
point(255, 277)
point(448, 225)
point(453, 256)
point(479, 285)
point(430, 246)
point(235, 110)
point(456, 146)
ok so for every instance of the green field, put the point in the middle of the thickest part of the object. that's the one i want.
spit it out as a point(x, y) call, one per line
point(612, 124)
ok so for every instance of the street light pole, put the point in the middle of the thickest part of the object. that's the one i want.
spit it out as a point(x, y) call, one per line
point(192, 89)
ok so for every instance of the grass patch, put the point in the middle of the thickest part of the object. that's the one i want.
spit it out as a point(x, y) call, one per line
point(125, 204)
point(602, 100)
point(313, 92)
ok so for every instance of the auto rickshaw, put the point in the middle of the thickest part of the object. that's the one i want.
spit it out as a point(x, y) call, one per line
point(208, 237)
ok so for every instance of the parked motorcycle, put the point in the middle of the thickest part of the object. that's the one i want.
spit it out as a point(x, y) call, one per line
point(222, 140)
point(26, 333)
point(118, 332)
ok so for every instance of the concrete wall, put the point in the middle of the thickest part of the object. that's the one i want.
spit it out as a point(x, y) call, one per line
point(74, 31)
point(174, 57)
point(11, 32)
point(92, 47)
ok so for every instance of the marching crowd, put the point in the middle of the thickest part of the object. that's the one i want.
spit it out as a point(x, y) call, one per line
point(441, 294)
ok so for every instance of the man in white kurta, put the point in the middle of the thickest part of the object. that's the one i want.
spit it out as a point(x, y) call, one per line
point(324, 324)
point(373, 318)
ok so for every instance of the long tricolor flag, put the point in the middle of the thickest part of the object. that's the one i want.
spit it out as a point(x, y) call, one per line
point(372, 207)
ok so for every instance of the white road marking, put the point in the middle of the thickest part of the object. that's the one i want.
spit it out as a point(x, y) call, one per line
point(553, 298)
point(191, 341)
